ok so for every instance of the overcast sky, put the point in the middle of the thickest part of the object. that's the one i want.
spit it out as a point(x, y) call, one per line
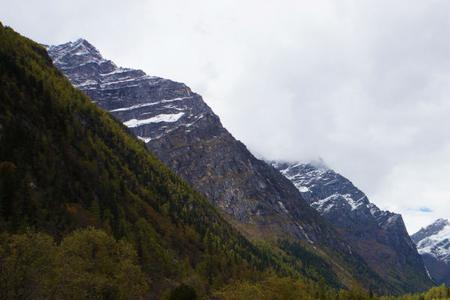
point(364, 85)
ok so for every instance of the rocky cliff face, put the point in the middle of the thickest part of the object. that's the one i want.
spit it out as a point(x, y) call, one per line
point(380, 237)
point(178, 126)
point(433, 243)
point(150, 106)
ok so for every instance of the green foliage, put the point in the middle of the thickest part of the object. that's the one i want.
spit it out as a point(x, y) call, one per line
point(27, 266)
point(275, 287)
point(312, 266)
point(87, 264)
point(435, 293)
point(91, 263)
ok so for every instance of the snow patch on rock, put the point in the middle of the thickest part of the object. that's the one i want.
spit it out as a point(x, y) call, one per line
point(168, 118)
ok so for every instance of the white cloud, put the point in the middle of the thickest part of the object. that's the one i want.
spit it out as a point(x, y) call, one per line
point(363, 84)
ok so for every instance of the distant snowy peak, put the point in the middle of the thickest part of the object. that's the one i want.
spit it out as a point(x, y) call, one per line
point(322, 187)
point(150, 106)
point(333, 195)
point(433, 243)
point(434, 240)
point(430, 230)
point(380, 237)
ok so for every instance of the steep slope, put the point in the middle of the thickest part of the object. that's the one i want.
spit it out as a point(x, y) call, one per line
point(433, 243)
point(184, 133)
point(178, 126)
point(66, 164)
point(380, 237)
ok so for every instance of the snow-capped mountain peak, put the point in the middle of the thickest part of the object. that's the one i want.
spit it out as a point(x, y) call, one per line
point(335, 197)
point(322, 187)
point(150, 106)
point(434, 240)
point(433, 243)
point(81, 49)
point(380, 236)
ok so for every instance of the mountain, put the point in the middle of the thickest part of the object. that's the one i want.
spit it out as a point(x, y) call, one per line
point(380, 237)
point(433, 243)
point(65, 164)
point(181, 130)
point(178, 126)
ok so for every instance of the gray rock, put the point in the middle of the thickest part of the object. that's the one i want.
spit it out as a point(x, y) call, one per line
point(380, 237)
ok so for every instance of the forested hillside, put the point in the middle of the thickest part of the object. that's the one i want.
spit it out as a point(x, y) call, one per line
point(65, 164)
